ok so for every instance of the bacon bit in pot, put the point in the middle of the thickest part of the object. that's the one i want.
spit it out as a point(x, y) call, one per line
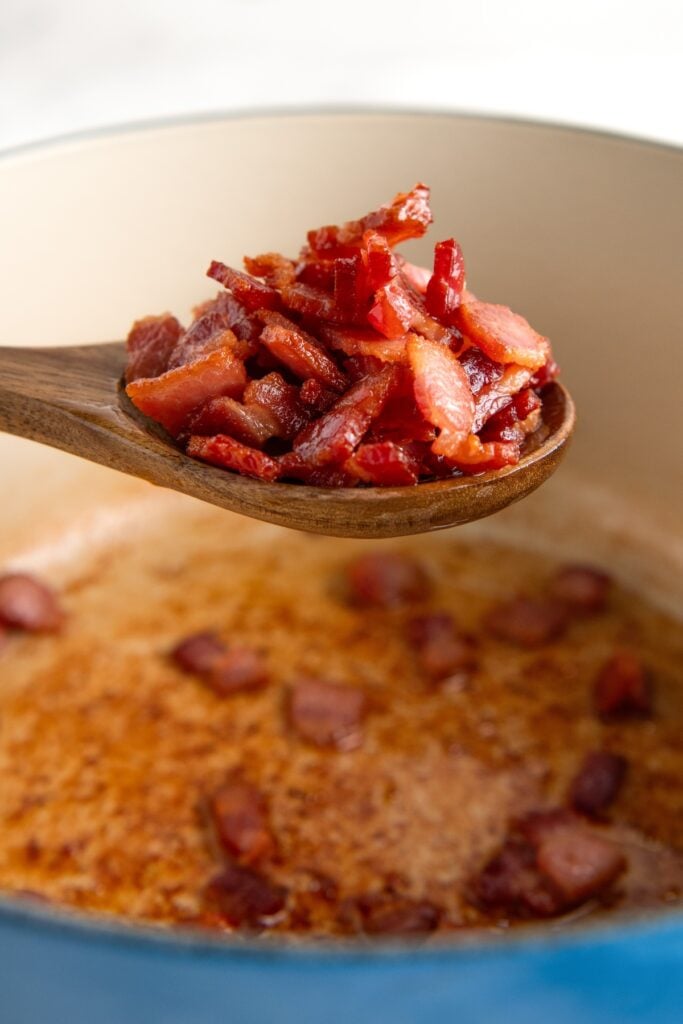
point(622, 688)
point(172, 397)
point(240, 668)
point(579, 864)
point(597, 783)
point(327, 714)
point(198, 653)
point(527, 622)
point(441, 648)
point(388, 914)
point(225, 451)
point(386, 579)
point(511, 883)
point(150, 344)
point(28, 604)
point(245, 897)
point(251, 424)
point(239, 816)
point(582, 589)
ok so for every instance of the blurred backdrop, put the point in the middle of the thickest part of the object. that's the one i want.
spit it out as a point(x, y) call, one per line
point(66, 65)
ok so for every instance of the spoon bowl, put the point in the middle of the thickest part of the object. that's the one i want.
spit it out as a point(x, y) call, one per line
point(72, 398)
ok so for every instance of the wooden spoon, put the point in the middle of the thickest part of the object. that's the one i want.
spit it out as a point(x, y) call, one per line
point(73, 399)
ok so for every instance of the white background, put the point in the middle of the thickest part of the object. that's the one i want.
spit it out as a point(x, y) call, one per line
point(66, 65)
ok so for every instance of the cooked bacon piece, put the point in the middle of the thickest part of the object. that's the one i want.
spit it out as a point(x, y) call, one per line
point(252, 294)
point(398, 309)
point(316, 396)
point(597, 782)
point(379, 262)
point(386, 579)
point(319, 274)
point(547, 373)
point(251, 424)
point(339, 431)
point(225, 451)
point(498, 394)
point(245, 897)
point(389, 914)
point(441, 648)
point(384, 464)
point(511, 883)
point(579, 864)
point(240, 819)
point(527, 622)
point(149, 344)
point(300, 352)
point(275, 268)
point(281, 400)
point(400, 419)
point(351, 288)
point(407, 216)
point(476, 456)
point(622, 688)
point(327, 714)
point(198, 653)
point(239, 669)
point(233, 316)
point(442, 393)
point(515, 420)
point(581, 588)
point(481, 371)
point(447, 282)
point(295, 468)
point(172, 397)
point(502, 335)
point(3, 636)
point(364, 341)
point(28, 604)
point(310, 301)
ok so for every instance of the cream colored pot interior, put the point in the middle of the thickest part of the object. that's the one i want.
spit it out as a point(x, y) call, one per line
point(580, 232)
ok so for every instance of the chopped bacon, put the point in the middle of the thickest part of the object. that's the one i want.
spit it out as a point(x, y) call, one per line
point(225, 451)
point(622, 688)
point(339, 431)
point(386, 579)
point(198, 653)
point(245, 897)
point(149, 344)
point(251, 424)
point(27, 603)
point(447, 282)
point(389, 914)
point(289, 358)
point(172, 397)
point(283, 401)
point(3, 636)
point(442, 393)
point(442, 649)
point(300, 352)
point(511, 883)
point(579, 864)
point(239, 816)
point(327, 714)
point(502, 335)
point(384, 464)
point(252, 294)
point(407, 216)
point(597, 783)
point(527, 622)
point(581, 588)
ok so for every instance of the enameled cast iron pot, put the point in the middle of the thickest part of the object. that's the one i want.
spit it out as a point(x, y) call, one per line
point(582, 232)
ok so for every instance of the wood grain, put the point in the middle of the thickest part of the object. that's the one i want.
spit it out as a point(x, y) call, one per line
point(71, 398)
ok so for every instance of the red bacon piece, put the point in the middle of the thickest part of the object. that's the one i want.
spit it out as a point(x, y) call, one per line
point(384, 464)
point(354, 341)
point(386, 579)
point(198, 653)
point(240, 819)
point(447, 282)
point(295, 468)
point(251, 424)
point(511, 884)
point(28, 604)
point(319, 274)
point(441, 648)
point(245, 897)
point(527, 622)
point(239, 669)
point(622, 688)
point(442, 393)
point(334, 437)
point(172, 397)
point(351, 288)
point(407, 216)
point(232, 315)
point(225, 451)
point(252, 294)
point(281, 400)
point(579, 864)
point(583, 589)
point(327, 714)
point(150, 344)
point(300, 352)
point(481, 371)
point(503, 335)
point(389, 914)
point(275, 268)
point(597, 783)
point(316, 396)
point(310, 301)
